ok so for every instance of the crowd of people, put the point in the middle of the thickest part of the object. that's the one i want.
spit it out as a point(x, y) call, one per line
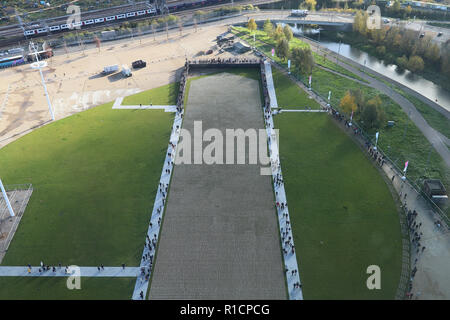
point(375, 154)
point(225, 61)
point(267, 110)
point(282, 207)
point(415, 237)
point(163, 188)
point(182, 90)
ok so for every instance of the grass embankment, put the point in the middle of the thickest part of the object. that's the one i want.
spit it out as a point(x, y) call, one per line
point(290, 95)
point(434, 118)
point(398, 143)
point(265, 44)
point(403, 142)
point(45, 288)
point(343, 216)
point(95, 175)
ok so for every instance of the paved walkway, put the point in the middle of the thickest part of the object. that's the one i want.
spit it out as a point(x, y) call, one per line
point(297, 110)
point(290, 257)
point(118, 105)
point(151, 241)
point(432, 278)
point(84, 272)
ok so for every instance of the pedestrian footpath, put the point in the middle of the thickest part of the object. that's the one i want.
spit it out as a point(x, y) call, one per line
point(118, 105)
point(289, 254)
point(430, 254)
point(148, 254)
point(297, 110)
point(37, 271)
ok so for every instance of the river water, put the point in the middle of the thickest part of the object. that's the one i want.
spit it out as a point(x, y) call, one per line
point(425, 87)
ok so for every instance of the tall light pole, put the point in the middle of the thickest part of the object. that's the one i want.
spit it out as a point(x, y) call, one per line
point(339, 51)
point(8, 204)
point(39, 65)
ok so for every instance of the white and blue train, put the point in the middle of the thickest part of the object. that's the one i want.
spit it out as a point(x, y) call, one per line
point(173, 7)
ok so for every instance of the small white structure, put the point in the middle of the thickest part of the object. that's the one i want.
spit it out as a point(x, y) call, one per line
point(126, 72)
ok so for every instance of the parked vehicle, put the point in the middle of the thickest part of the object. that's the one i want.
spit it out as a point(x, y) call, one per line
point(126, 72)
point(110, 69)
point(299, 13)
point(139, 64)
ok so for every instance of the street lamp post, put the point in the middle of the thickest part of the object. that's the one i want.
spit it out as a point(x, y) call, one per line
point(39, 65)
point(8, 204)
point(339, 50)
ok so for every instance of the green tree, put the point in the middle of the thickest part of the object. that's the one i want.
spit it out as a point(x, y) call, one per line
point(359, 97)
point(396, 6)
point(415, 63)
point(402, 62)
point(282, 48)
point(348, 103)
point(288, 33)
point(381, 50)
point(268, 27)
point(251, 25)
point(372, 115)
point(360, 22)
point(369, 116)
point(303, 60)
point(311, 4)
point(432, 53)
point(445, 58)
point(278, 34)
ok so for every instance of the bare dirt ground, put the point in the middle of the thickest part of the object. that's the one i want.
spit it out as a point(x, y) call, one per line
point(75, 84)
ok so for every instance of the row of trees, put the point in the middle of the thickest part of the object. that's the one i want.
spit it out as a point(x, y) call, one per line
point(397, 11)
point(301, 57)
point(406, 48)
point(367, 110)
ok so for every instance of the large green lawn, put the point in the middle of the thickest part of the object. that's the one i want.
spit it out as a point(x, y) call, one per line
point(43, 288)
point(343, 215)
point(165, 95)
point(290, 95)
point(95, 175)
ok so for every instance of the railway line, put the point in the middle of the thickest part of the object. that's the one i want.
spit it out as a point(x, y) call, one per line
point(107, 17)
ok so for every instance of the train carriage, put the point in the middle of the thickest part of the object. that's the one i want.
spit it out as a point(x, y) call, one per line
point(172, 7)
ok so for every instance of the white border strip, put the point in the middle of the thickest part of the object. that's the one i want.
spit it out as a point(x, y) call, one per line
point(290, 259)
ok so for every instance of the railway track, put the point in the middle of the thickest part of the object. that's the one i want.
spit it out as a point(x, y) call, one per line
point(14, 33)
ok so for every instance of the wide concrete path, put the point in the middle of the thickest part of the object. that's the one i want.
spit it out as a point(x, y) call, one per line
point(219, 237)
point(290, 256)
point(60, 272)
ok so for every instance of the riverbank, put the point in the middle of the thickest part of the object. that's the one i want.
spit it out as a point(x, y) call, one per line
point(430, 72)
point(436, 115)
